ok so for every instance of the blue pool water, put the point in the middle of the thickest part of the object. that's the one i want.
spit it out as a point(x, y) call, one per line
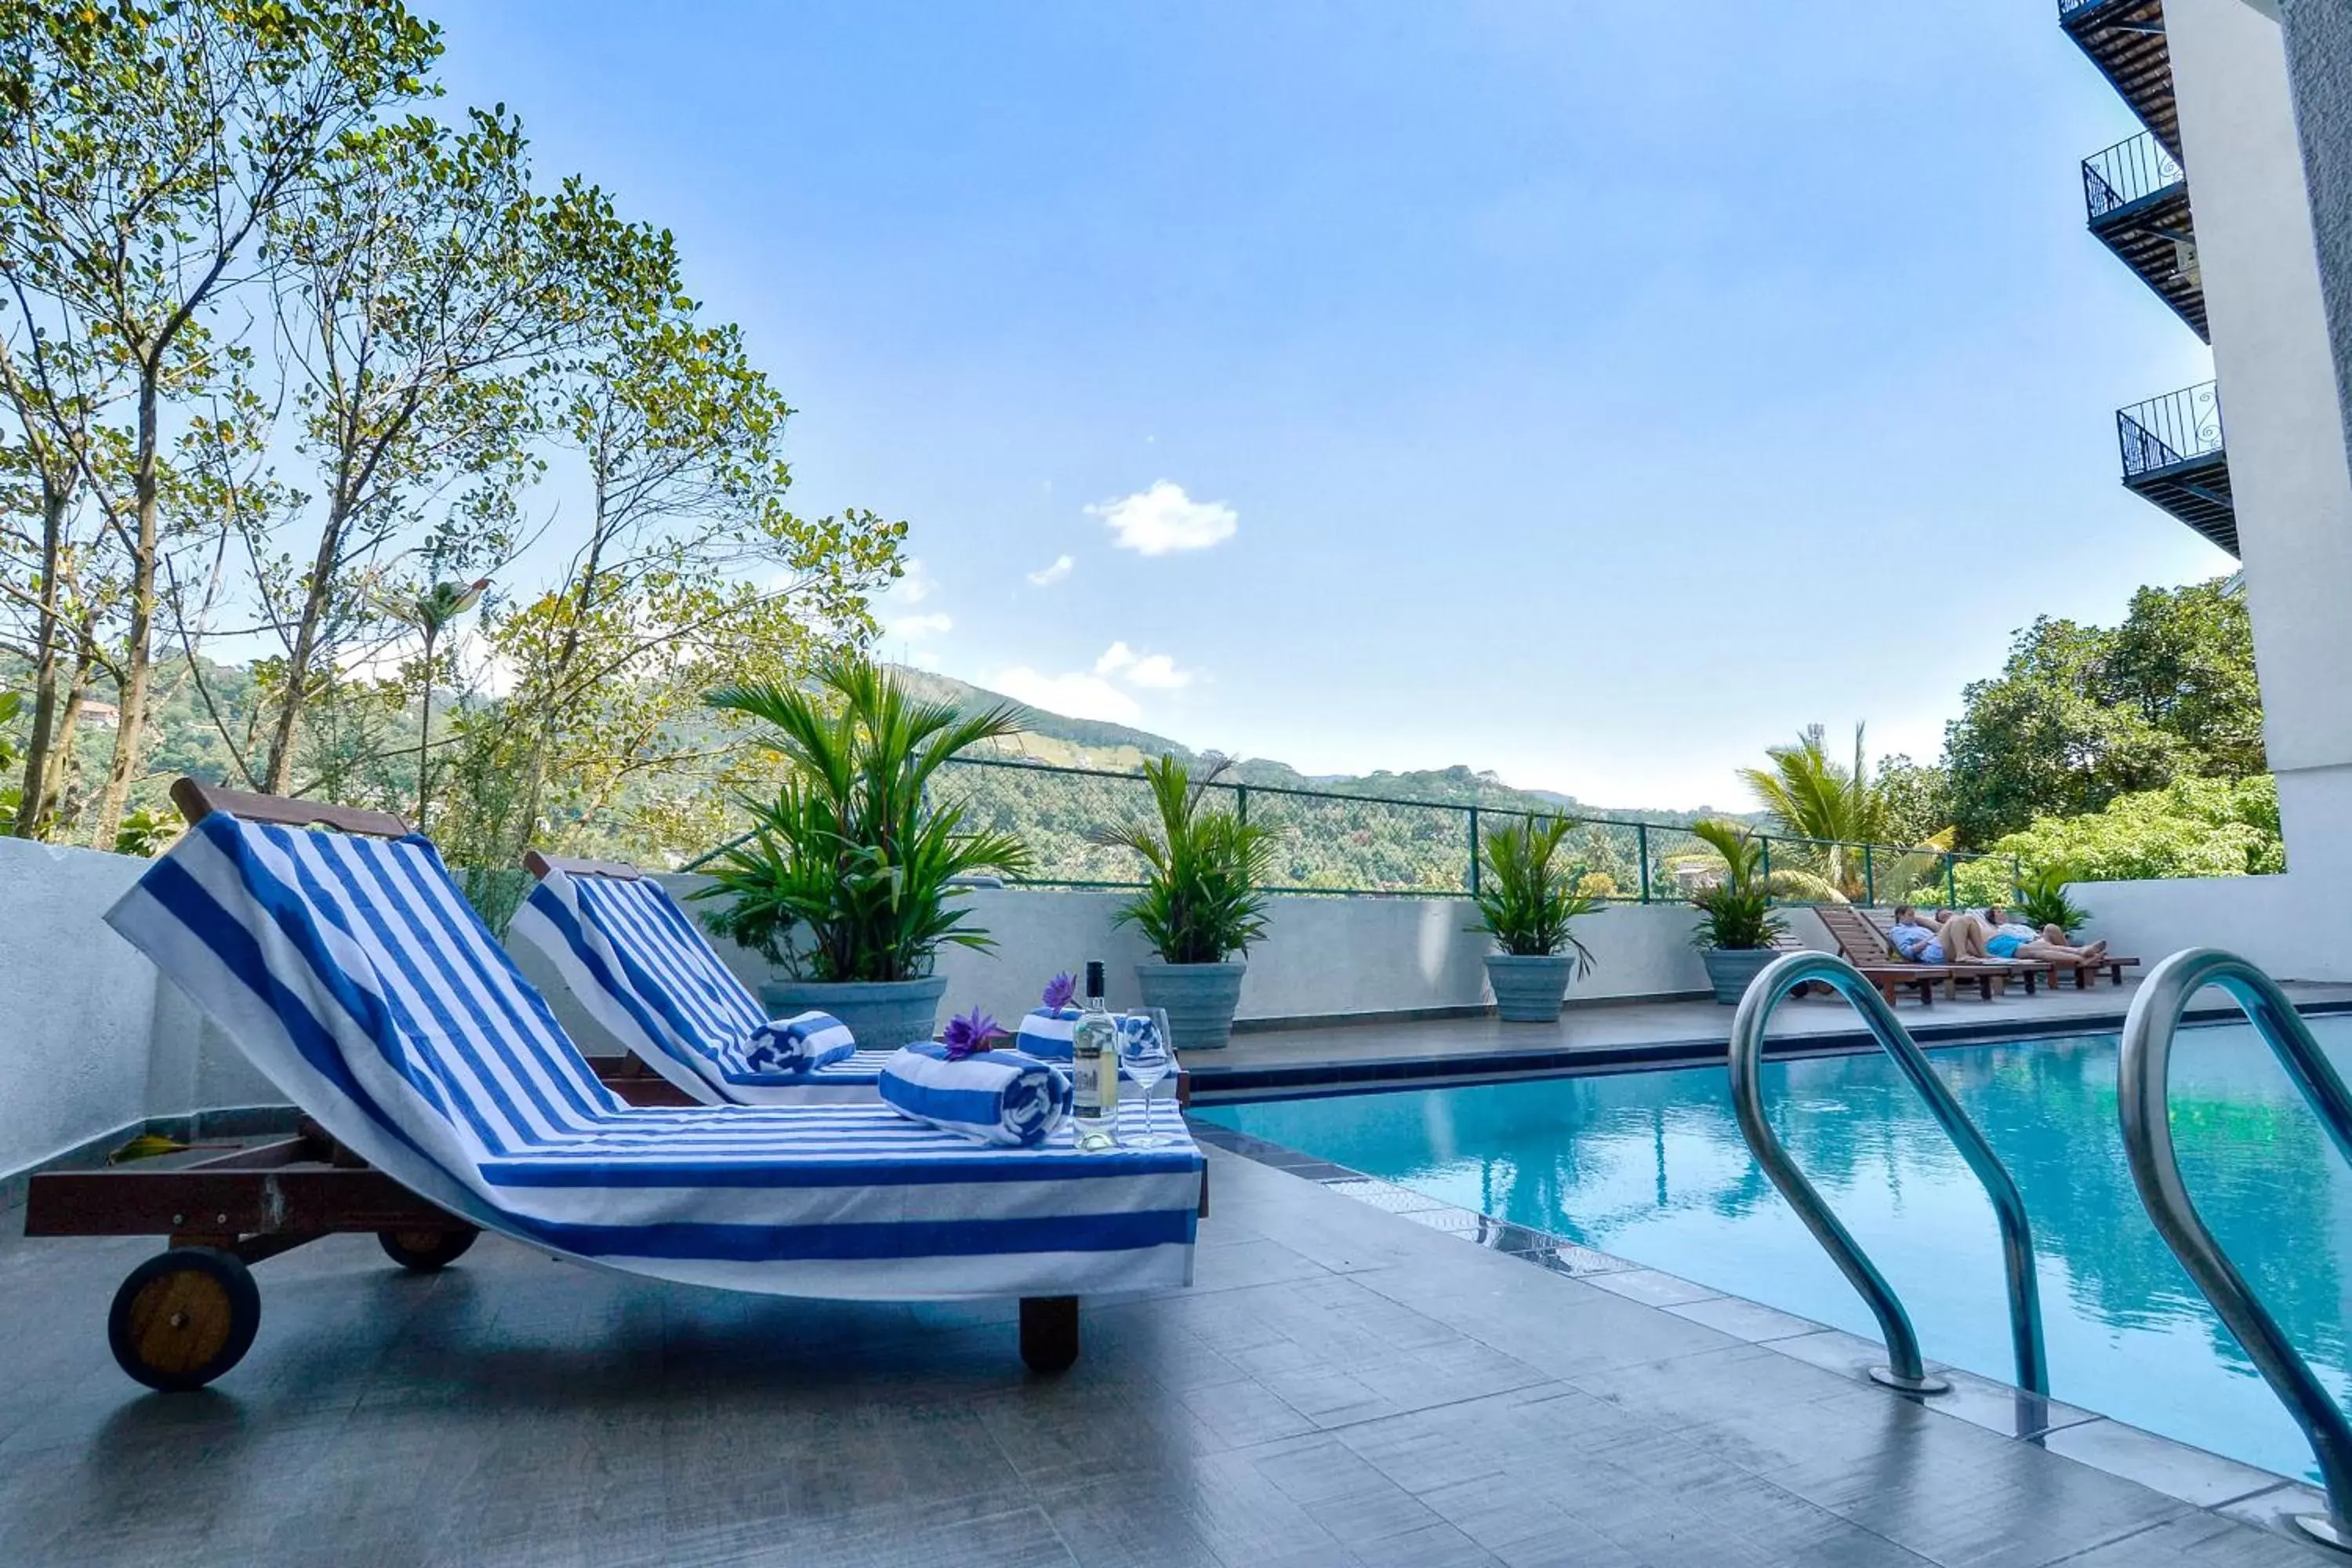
point(1651, 1166)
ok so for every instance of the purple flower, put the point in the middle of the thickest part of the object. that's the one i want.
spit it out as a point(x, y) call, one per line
point(970, 1035)
point(1060, 992)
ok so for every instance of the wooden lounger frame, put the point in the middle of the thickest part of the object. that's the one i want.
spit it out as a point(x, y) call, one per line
point(223, 1214)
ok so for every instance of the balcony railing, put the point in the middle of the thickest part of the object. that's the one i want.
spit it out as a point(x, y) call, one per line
point(2166, 431)
point(2126, 173)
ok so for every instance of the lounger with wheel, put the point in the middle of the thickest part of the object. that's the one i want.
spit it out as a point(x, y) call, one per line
point(444, 1097)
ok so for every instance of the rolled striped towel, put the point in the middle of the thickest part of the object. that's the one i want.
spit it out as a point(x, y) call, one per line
point(789, 1047)
point(1004, 1098)
point(1046, 1033)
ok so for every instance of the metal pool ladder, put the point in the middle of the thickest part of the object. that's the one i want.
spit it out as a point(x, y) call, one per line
point(1905, 1370)
point(2143, 1091)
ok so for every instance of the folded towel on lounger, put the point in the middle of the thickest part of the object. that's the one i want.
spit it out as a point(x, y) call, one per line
point(1046, 1033)
point(789, 1046)
point(996, 1097)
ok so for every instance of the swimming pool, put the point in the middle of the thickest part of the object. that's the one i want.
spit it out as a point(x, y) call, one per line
point(1651, 1166)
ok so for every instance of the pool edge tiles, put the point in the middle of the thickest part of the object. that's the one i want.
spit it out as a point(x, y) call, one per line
point(2187, 1474)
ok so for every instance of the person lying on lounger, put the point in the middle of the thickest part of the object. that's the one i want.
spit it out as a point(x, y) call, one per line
point(2012, 939)
point(1951, 939)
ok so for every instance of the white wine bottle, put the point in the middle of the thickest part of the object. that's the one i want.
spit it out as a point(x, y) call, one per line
point(1094, 1058)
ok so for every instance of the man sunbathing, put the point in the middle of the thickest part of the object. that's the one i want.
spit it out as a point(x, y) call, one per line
point(1952, 939)
point(2012, 938)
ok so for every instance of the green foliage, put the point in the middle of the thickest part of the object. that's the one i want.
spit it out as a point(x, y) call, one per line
point(1832, 809)
point(147, 831)
point(1916, 800)
point(1527, 896)
point(849, 874)
point(2193, 828)
point(1736, 913)
point(2082, 715)
point(11, 704)
point(2041, 899)
point(1204, 870)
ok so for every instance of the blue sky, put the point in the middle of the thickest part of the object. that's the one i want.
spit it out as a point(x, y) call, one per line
point(1550, 387)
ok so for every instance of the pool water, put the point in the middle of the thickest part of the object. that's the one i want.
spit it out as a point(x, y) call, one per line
point(1651, 1166)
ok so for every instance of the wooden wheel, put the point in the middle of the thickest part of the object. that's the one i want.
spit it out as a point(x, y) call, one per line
point(183, 1318)
point(426, 1251)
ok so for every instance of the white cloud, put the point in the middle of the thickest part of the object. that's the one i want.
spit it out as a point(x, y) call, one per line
point(1158, 672)
point(914, 584)
point(1164, 519)
point(1077, 696)
point(1045, 577)
point(913, 628)
point(1154, 671)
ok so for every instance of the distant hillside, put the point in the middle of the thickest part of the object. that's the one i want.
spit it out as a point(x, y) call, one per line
point(1118, 748)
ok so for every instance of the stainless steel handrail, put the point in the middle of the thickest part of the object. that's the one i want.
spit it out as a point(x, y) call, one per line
point(2143, 1072)
point(1904, 1369)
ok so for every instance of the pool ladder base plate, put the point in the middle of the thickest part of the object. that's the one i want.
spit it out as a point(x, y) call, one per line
point(2324, 1531)
point(1927, 1383)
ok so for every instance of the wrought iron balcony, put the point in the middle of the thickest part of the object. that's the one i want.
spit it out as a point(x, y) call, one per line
point(2125, 38)
point(2138, 197)
point(2174, 456)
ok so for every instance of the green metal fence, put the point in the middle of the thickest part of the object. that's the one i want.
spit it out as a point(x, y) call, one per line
point(1373, 846)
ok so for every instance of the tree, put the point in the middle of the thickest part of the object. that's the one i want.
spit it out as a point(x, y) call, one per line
point(693, 573)
point(143, 150)
point(1834, 808)
point(428, 289)
point(2081, 715)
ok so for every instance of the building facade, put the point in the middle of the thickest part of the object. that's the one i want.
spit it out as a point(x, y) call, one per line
point(2273, 268)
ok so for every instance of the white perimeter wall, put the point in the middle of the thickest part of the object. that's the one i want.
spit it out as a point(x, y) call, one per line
point(93, 1041)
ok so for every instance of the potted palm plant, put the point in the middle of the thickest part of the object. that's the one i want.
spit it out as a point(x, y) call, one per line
point(2041, 899)
point(1201, 906)
point(1736, 928)
point(1524, 903)
point(847, 879)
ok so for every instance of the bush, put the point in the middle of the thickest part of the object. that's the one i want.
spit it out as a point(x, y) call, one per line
point(2193, 828)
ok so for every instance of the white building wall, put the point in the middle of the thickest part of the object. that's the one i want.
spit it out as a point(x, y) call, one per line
point(2292, 484)
point(91, 1040)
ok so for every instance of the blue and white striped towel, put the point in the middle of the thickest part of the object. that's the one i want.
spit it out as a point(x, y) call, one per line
point(996, 1097)
point(790, 1047)
point(1046, 1032)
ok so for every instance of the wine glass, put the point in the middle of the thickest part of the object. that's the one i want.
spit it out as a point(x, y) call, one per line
point(1144, 1055)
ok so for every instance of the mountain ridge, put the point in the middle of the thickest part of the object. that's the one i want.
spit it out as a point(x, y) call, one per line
point(1060, 740)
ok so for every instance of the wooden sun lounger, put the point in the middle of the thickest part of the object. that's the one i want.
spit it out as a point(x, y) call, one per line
point(631, 1078)
point(186, 1315)
point(1891, 980)
point(1865, 946)
point(2055, 968)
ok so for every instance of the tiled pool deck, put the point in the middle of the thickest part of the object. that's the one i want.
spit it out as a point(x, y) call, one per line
point(1342, 1385)
point(1642, 1033)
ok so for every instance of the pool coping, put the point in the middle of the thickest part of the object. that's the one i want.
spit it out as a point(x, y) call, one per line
point(1215, 1083)
point(2196, 1477)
